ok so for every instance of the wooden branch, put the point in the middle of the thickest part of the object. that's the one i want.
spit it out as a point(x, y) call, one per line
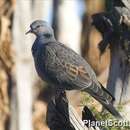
point(62, 116)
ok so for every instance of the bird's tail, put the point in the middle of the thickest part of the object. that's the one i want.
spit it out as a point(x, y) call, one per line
point(104, 97)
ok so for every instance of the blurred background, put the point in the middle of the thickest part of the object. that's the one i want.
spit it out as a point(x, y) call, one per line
point(23, 96)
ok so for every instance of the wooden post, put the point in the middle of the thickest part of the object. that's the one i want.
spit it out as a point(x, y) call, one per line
point(62, 116)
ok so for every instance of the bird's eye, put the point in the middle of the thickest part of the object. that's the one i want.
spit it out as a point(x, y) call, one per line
point(38, 26)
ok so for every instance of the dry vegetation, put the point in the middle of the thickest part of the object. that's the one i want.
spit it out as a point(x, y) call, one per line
point(6, 62)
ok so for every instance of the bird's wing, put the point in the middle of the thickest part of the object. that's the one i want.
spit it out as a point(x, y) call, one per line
point(72, 72)
point(80, 79)
point(66, 67)
point(70, 69)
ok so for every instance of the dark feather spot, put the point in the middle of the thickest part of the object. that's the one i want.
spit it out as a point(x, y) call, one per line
point(47, 35)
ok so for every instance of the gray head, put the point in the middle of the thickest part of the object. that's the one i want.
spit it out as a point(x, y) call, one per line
point(41, 28)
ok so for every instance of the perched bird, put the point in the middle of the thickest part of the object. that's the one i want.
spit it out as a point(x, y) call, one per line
point(63, 68)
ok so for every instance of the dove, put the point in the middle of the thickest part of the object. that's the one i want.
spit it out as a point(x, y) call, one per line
point(63, 68)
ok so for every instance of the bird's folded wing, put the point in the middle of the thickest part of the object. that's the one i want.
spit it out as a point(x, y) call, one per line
point(77, 74)
point(69, 69)
point(82, 80)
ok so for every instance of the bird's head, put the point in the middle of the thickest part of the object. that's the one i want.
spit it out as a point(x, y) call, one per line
point(41, 28)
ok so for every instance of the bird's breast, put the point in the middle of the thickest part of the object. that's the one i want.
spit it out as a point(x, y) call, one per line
point(39, 60)
point(40, 66)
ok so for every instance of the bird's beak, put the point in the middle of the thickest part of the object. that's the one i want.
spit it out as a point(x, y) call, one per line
point(30, 31)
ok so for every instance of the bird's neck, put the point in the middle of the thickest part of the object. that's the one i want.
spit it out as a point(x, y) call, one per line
point(40, 42)
point(46, 39)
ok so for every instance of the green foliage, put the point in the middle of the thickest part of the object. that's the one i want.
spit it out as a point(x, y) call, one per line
point(103, 115)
